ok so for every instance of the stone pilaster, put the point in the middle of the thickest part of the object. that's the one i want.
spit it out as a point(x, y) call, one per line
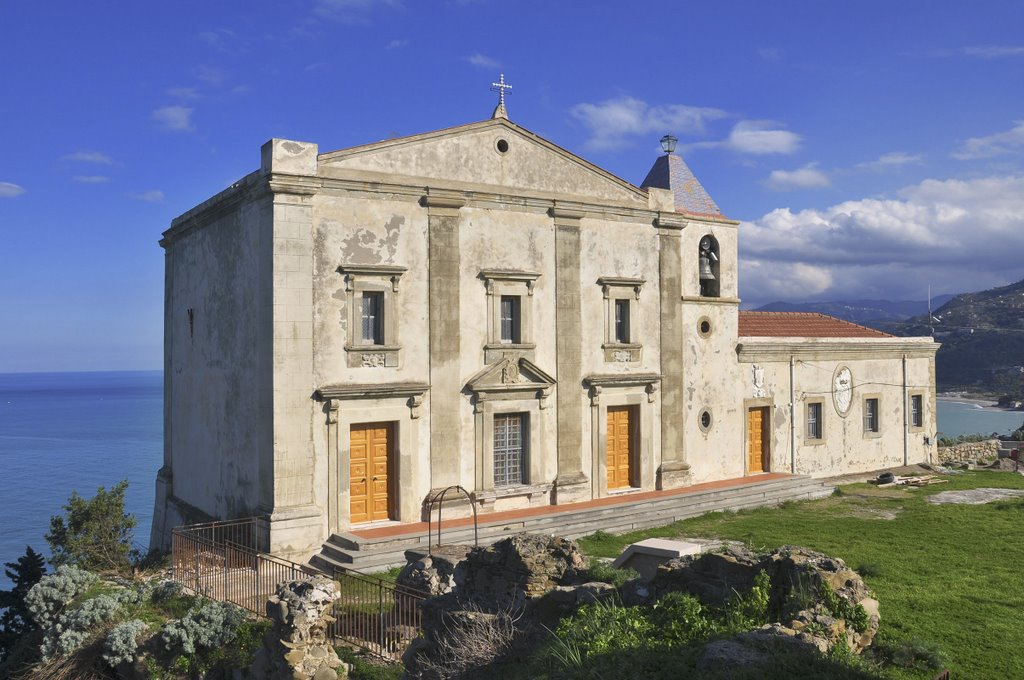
point(445, 338)
point(571, 484)
point(674, 470)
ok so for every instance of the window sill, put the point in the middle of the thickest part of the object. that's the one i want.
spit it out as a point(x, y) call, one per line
point(622, 352)
point(868, 434)
point(814, 442)
point(372, 356)
point(531, 490)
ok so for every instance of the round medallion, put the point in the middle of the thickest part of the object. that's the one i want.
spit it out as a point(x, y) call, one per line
point(842, 390)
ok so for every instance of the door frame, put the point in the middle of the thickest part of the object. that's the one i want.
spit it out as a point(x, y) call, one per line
point(392, 503)
point(767, 428)
point(634, 446)
point(404, 415)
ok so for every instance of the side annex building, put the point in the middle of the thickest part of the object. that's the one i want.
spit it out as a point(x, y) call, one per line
point(348, 333)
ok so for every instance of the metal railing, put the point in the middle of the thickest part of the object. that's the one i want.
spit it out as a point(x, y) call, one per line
point(218, 560)
point(378, 616)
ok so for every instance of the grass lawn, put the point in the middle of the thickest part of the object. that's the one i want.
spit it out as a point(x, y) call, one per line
point(947, 575)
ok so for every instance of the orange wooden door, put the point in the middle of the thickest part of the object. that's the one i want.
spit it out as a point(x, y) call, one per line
point(620, 446)
point(369, 469)
point(757, 440)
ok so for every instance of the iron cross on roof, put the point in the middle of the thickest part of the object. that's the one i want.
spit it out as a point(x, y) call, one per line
point(500, 87)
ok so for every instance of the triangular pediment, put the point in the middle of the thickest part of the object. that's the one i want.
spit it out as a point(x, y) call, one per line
point(510, 374)
point(493, 155)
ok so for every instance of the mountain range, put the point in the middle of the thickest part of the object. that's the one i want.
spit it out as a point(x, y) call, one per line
point(982, 333)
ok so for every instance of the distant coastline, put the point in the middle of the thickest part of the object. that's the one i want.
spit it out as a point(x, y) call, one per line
point(981, 402)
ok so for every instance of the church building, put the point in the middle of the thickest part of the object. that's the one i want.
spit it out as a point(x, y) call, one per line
point(347, 333)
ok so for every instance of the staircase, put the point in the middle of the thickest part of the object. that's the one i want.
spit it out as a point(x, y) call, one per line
point(374, 550)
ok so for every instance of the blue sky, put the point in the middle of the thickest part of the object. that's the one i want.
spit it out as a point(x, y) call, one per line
point(869, 148)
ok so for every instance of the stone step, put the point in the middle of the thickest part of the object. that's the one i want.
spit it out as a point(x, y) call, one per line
point(707, 499)
point(370, 554)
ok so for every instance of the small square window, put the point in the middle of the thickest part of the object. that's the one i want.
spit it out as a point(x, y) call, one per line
point(622, 321)
point(511, 319)
point(871, 415)
point(373, 318)
point(916, 410)
point(510, 436)
point(814, 424)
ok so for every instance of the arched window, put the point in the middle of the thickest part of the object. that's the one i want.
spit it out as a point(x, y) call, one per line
point(709, 268)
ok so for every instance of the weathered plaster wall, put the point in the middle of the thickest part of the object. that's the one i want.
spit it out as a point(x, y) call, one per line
point(219, 361)
point(876, 369)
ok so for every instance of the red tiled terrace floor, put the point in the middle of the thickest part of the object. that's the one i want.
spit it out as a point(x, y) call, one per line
point(607, 501)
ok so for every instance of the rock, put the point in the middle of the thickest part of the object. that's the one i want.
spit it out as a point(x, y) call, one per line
point(516, 570)
point(298, 645)
point(434, 573)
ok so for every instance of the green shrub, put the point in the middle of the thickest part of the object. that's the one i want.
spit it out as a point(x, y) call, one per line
point(854, 614)
point(606, 573)
point(16, 621)
point(48, 598)
point(77, 625)
point(363, 670)
point(121, 644)
point(914, 653)
point(206, 627)
point(94, 533)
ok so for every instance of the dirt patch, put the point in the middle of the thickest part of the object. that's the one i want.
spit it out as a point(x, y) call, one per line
point(974, 496)
point(865, 505)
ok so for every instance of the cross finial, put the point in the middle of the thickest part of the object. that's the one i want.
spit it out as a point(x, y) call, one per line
point(500, 87)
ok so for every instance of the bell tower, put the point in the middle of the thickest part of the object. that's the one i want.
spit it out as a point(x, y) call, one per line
point(705, 326)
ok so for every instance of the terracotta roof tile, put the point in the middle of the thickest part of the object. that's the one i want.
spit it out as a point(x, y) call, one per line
point(801, 325)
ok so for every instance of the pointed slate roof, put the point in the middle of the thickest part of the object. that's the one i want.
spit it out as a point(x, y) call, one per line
point(670, 172)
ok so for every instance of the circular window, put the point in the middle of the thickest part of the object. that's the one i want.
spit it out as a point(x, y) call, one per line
point(704, 327)
point(501, 146)
point(705, 420)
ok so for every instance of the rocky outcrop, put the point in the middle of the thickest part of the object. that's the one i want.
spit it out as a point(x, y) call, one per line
point(819, 601)
point(491, 601)
point(298, 646)
point(432, 573)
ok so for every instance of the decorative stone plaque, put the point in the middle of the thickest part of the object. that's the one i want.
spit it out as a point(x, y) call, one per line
point(842, 390)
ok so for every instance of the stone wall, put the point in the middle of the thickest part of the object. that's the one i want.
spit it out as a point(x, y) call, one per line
point(986, 450)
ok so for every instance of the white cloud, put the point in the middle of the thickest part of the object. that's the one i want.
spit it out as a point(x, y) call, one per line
point(762, 137)
point(91, 179)
point(89, 157)
point(482, 61)
point(614, 121)
point(806, 177)
point(177, 118)
point(183, 92)
point(151, 196)
point(993, 145)
point(211, 75)
point(223, 40)
point(10, 190)
point(349, 10)
point(994, 51)
point(396, 44)
point(892, 160)
point(770, 53)
point(956, 235)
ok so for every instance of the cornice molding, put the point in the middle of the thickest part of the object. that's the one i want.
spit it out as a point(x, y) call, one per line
point(839, 349)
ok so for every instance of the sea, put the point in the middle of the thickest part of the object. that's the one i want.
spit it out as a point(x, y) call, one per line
point(65, 432)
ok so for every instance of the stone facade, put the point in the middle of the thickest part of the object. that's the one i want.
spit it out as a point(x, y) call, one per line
point(347, 333)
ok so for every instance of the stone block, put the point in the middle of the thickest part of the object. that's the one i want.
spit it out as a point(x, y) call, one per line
point(288, 156)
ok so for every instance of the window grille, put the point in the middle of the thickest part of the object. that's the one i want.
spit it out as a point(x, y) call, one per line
point(509, 449)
